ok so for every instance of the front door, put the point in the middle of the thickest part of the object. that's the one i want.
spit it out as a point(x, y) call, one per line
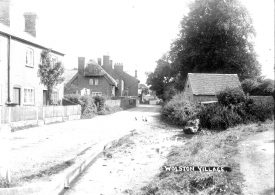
point(44, 97)
point(16, 95)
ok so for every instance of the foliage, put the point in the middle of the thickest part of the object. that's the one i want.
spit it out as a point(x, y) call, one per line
point(220, 117)
point(161, 79)
point(258, 87)
point(178, 111)
point(99, 102)
point(215, 37)
point(50, 73)
point(231, 96)
point(88, 107)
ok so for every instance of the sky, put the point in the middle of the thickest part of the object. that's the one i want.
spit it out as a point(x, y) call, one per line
point(133, 32)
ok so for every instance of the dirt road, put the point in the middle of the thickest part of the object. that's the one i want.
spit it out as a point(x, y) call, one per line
point(127, 168)
point(257, 163)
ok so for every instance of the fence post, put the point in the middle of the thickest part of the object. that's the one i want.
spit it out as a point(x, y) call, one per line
point(43, 114)
point(9, 116)
point(37, 113)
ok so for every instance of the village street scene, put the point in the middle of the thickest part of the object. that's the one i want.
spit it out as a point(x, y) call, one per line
point(136, 97)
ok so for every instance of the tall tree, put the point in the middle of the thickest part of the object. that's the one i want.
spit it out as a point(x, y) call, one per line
point(162, 79)
point(50, 73)
point(216, 37)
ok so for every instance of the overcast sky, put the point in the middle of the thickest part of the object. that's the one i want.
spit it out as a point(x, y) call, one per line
point(133, 32)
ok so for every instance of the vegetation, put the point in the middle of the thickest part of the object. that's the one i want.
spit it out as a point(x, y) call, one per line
point(179, 111)
point(161, 80)
point(205, 149)
point(50, 73)
point(259, 86)
point(91, 106)
point(233, 108)
point(215, 37)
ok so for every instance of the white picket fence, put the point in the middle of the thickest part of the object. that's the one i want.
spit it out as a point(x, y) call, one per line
point(22, 115)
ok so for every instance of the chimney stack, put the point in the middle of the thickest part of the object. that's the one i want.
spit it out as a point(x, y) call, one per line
point(81, 65)
point(135, 73)
point(118, 67)
point(99, 61)
point(30, 23)
point(107, 64)
point(5, 12)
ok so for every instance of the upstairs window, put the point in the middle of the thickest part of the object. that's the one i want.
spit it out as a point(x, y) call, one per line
point(29, 58)
point(54, 60)
point(93, 82)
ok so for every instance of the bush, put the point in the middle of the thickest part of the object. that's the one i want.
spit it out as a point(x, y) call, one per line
point(258, 87)
point(218, 117)
point(99, 102)
point(178, 110)
point(88, 108)
point(75, 98)
point(231, 96)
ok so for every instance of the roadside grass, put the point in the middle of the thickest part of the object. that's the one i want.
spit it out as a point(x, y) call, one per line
point(205, 149)
point(36, 175)
point(49, 171)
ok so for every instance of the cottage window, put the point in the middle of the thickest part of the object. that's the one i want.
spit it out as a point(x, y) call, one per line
point(96, 93)
point(54, 60)
point(93, 82)
point(55, 97)
point(28, 96)
point(29, 57)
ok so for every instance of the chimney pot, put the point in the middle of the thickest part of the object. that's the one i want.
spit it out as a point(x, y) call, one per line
point(99, 61)
point(135, 73)
point(5, 12)
point(30, 23)
point(81, 65)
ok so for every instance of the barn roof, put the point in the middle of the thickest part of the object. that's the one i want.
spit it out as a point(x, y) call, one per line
point(210, 84)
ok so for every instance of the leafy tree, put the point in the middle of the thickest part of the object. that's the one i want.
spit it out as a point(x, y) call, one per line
point(50, 73)
point(258, 86)
point(215, 37)
point(162, 79)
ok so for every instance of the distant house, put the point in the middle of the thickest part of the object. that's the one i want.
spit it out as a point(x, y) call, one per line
point(89, 79)
point(19, 59)
point(127, 84)
point(202, 87)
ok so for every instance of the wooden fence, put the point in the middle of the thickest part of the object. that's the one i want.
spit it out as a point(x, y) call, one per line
point(45, 114)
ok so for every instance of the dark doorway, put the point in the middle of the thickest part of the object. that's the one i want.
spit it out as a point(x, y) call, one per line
point(16, 95)
point(44, 97)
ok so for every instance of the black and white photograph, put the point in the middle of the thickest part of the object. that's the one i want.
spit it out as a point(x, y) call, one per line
point(137, 97)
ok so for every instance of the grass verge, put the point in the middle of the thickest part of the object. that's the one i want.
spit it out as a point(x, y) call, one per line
point(205, 149)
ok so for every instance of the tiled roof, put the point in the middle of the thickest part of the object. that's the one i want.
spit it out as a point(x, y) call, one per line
point(69, 74)
point(26, 38)
point(210, 84)
point(94, 69)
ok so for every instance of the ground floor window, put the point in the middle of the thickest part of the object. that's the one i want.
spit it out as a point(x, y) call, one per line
point(55, 97)
point(28, 96)
point(96, 93)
